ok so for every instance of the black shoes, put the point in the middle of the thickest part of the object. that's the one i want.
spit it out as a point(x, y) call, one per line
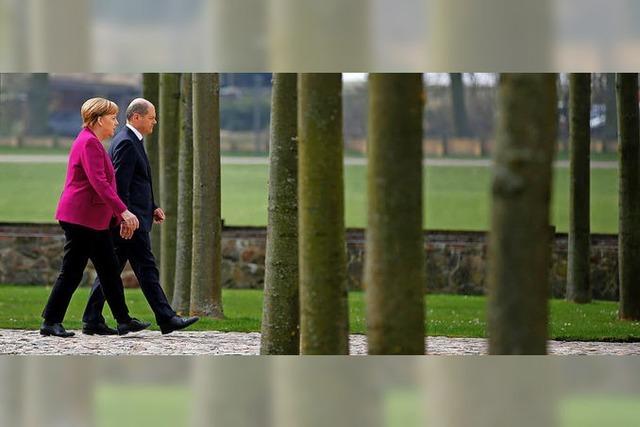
point(176, 323)
point(54, 329)
point(98, 329)
point(133, 325)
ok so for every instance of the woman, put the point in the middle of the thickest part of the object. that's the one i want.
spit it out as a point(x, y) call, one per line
point(89, 204)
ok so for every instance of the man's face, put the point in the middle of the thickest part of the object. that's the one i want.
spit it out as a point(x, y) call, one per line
point(145, 123)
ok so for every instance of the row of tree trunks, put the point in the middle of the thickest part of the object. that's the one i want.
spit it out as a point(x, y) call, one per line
point(186, 159)
point(395, 266)
point(394, 272)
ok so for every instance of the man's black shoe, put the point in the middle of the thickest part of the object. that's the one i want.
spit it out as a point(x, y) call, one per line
point(54, 329)
point(176, 323)
point(98, 329)
point(133, 325)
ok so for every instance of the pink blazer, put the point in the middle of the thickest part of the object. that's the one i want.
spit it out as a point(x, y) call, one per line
point(89, 197)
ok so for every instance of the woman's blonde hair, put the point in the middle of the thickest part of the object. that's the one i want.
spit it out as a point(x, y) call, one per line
point(96, 107)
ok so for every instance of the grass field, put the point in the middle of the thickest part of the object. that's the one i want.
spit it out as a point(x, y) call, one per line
point(447, 315)
point(456, 198)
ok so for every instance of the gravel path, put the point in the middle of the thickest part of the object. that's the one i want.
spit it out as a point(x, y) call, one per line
point(188, 343)
point(57, 158)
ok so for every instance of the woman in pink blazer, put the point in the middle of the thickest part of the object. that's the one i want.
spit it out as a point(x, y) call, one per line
point(88, 206)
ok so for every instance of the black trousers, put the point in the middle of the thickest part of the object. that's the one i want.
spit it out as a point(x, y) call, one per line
point(83, 244)
point(137, 251)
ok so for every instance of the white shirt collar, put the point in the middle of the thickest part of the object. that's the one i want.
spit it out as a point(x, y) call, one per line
point(138, 134)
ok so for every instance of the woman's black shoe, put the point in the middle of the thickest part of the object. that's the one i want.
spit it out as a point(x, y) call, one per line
point(54, 329)
point(133, 325)
point(98, 329)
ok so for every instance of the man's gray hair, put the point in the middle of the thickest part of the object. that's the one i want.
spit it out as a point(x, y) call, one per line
point(139, 106)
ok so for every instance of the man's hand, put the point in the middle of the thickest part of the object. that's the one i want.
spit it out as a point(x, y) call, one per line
point(126, 232)
point(158, 216)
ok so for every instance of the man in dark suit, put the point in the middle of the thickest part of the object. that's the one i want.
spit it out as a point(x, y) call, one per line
point(133, 179)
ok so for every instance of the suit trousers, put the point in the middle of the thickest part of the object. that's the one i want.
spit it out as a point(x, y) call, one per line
point(81, 245)
point(137, 251)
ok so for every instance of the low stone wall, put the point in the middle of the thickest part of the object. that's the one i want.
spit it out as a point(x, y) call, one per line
point(455, 261)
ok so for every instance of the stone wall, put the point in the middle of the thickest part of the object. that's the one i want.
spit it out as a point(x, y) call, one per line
point(456, 261)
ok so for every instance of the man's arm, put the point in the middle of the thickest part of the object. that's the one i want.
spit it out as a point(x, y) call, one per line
point(124, 162)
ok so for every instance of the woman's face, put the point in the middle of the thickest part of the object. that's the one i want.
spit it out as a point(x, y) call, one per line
point(109, 122)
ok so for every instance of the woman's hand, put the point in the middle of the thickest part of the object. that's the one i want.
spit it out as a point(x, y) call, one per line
point(130, 220)
point(126, 232)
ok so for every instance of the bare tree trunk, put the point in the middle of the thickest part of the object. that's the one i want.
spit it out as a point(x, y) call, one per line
point(394, 267)
point(206, 282)
point(182, 291)
point(629, 202)
point(324, 317)
point(169, 143)
point(578, 284)
point(519, 241)
point(458, 106)
point(38, 105)
point(611, 110)
point(150, 91)
point(281, 313)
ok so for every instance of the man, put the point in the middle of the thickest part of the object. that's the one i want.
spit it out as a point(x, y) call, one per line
point(133, 179)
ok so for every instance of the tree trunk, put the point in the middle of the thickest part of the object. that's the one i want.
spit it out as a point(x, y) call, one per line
point(169, 143)
point(629, 202)
point(38, 105)
point(611, 110)
point(578, 284)
point(182, 291)
point(519, 241)
point(206, 287)
point(324, 317)
point(150, 91)
point(280, 314)
point(458, 107)
point(394, 268)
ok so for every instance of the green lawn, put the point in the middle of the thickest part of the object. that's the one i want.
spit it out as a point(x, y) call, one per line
point(447, 315)
point(456, 198)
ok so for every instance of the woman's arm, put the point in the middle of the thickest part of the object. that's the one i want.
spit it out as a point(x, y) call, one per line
point(92, 158)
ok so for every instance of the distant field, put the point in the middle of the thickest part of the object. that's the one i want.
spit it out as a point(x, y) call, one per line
point(456, 197)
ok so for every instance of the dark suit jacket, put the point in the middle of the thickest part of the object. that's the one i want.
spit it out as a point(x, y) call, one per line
point(133, 176)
